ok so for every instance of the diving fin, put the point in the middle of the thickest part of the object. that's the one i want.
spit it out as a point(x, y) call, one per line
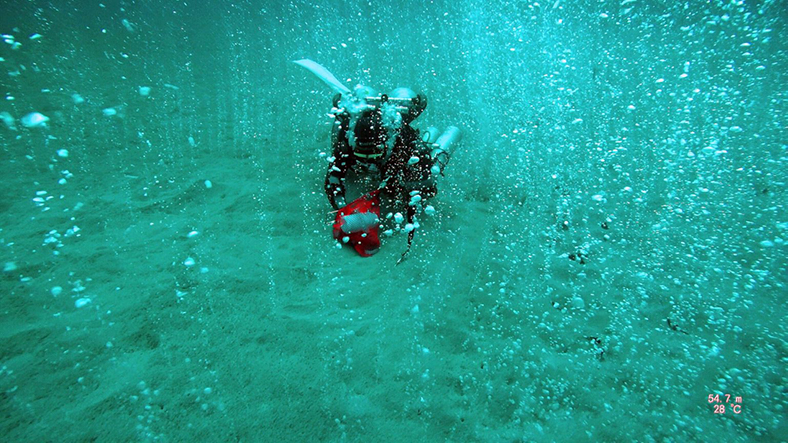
point(323, 74)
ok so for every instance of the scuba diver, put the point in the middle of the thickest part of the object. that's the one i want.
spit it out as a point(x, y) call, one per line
point(379, 140)
point(372, 135)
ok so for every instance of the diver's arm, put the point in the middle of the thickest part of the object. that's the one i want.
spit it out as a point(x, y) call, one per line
point(393, 170)
point(339, 164)
point(335, 183)
point(390, 175)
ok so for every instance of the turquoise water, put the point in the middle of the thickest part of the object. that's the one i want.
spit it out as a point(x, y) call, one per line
point(608, 249)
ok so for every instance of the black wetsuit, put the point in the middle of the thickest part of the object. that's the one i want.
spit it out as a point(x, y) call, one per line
point(400, 177)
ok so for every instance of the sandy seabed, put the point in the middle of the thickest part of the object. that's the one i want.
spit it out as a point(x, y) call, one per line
point(182, 284)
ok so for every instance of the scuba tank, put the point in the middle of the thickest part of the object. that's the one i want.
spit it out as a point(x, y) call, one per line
point(441, 153)
point(430, 158)
point(430, 135)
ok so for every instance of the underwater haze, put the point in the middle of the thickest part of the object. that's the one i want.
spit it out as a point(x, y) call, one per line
point(605, 262)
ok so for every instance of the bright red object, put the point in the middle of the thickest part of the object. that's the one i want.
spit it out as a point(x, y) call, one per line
point(360, 222)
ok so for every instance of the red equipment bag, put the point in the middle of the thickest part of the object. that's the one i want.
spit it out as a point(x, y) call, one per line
point(359, 222)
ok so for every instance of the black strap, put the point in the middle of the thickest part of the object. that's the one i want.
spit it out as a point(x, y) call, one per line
point(411, 234)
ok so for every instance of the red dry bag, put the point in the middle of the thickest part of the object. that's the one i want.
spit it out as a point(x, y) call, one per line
point(359, 222)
